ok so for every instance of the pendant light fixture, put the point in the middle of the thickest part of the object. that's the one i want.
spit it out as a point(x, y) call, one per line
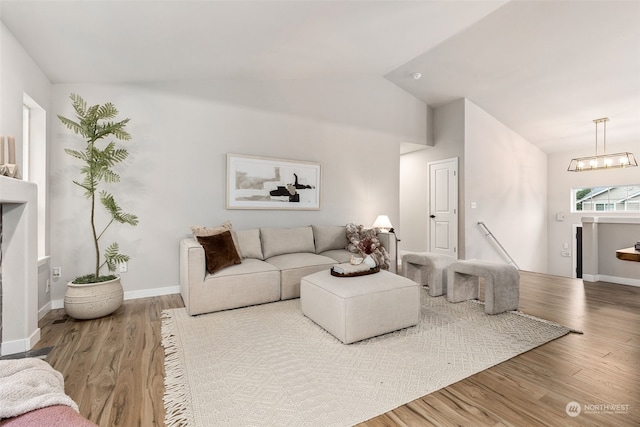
point(604, 160)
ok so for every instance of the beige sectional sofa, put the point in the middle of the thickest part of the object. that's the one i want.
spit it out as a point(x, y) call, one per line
point(273, 262)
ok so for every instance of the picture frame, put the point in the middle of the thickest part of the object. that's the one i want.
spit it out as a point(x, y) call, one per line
point(255, 182)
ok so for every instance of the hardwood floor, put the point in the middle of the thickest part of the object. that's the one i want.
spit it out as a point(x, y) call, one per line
point(113, 367)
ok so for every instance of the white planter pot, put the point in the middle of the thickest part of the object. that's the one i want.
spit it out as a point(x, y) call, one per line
point(93, 300)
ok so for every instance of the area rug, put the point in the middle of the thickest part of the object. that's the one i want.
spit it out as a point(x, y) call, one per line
point(268, 365)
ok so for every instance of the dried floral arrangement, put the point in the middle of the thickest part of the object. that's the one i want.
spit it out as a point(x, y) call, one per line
point(363, 239)
point(368, 245)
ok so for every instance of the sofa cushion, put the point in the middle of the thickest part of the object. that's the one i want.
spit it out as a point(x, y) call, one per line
point(219, 251)
point(249, 283)
point(329, 237)
point(249, 244)
point(279, 241)
point(248, 267)
point(340, 255)
point(293, 267)
point(299, 260)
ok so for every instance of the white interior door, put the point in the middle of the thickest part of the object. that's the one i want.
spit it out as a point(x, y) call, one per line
point(443, 207)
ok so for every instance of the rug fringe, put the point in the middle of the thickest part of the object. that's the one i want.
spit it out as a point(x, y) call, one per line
point(177, 402)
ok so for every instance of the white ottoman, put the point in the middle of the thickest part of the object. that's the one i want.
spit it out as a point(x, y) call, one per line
point(356, 308)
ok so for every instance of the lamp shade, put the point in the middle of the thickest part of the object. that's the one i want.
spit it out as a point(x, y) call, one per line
point(383, 222)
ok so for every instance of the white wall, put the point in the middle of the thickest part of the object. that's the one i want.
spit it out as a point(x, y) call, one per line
point(175, 175)
point(506, 176)
point(559, 190)
point(448, 136)
point(19, 74)
point(499, 170)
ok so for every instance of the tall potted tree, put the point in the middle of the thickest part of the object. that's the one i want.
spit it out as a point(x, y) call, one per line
point(94, 295)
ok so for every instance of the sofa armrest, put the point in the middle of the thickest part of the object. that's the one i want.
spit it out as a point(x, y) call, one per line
point(193, 268)
point(390, 243)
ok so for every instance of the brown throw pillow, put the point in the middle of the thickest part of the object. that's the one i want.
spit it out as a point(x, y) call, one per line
point(200, 231)
point(219, 251)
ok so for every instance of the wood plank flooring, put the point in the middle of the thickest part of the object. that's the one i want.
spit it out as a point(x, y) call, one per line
point(113, 367)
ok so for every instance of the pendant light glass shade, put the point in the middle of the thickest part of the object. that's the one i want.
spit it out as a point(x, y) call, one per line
point(602, 161)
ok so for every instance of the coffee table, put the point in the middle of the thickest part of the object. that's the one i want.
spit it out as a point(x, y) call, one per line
point(356, 308)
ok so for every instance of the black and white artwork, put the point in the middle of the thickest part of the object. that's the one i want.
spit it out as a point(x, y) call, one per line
point(266, 183)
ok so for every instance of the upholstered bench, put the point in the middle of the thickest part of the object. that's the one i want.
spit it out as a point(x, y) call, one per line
point(502, 284)
point(356, 308)
point(426, 268)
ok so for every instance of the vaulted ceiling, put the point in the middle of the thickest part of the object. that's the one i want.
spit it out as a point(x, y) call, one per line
point(546, 69)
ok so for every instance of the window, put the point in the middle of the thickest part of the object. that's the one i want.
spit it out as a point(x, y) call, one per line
point(26, 130)
point(34, 160)
point(622, 198)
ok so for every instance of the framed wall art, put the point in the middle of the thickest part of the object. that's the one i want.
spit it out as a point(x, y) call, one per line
point(267, 183)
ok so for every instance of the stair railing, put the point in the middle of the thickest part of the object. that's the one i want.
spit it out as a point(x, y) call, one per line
point(489, 234)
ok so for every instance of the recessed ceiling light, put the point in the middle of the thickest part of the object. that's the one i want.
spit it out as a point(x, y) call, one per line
point(417, 76)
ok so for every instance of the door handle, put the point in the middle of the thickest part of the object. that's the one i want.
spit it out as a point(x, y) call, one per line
point(432, 216)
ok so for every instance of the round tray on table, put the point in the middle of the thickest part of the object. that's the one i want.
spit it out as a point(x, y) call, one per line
point(359, 273)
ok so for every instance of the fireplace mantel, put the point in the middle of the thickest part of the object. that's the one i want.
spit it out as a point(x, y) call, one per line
point(20, 329)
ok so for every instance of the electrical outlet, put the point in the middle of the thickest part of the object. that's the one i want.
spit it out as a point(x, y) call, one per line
point(56, 272)
point(123, 267)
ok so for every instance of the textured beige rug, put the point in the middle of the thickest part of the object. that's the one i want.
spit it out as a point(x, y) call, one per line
point(269, 365)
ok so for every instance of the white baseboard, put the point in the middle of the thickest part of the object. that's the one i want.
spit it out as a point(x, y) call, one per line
point(156, 292)
point(44, 310)
point(611, 279)
point(146, 293)
point(619, 280)
point(20, 346)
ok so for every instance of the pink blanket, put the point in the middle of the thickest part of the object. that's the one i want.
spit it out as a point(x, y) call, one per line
point(30, 384)
point(51, 416)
